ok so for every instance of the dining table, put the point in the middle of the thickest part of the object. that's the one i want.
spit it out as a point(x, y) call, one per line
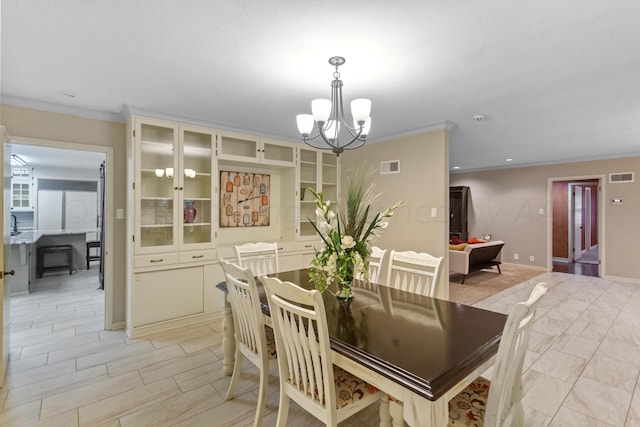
point(419, 350)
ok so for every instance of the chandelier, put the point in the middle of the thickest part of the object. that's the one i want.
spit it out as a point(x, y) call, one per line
point(330, 120)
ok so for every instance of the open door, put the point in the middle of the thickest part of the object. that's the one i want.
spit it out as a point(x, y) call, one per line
point(5, 251)
point(577, 221)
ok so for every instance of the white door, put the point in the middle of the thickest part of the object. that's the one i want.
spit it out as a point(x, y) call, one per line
point(5, 251)
point(577, 222)
point(50, 209)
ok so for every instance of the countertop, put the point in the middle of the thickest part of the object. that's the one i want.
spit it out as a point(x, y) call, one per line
point(31, 236)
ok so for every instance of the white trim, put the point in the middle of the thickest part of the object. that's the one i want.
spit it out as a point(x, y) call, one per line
point(601, 197)
point(61, 109)
point(444, 125)
point(109, 214)
point(622, 279)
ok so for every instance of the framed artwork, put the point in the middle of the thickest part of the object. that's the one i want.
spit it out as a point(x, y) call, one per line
point(244, 199)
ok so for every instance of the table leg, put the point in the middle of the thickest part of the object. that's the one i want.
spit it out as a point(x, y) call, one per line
point(228, 339)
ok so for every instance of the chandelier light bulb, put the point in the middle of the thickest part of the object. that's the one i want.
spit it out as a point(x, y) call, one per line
point(360, 109)
point(305, 124)
point(321, 110)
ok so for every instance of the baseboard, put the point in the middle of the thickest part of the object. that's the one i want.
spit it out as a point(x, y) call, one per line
point(141, 331)
point(116, 326)
point(537, 267)
point(621, 279)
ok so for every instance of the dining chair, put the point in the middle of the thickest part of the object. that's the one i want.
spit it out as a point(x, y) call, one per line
point(261, 258)
point(416, 272)
point(375, 263)
point(497, 403)
point(307, 373)
point(254, 340)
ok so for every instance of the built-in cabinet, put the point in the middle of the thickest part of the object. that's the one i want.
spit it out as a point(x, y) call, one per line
point(22, 189)
point(319, 170)
point(175, 236)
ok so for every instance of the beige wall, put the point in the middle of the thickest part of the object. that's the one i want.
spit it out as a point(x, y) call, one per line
point(506, 204)
point(23, 122)
point(422, 184)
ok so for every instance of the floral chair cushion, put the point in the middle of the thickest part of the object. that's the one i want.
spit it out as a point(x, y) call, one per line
point(467, 408)
point(271, 343)
point(349, 388)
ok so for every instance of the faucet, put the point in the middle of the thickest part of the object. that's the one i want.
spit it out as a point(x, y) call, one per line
point(14, 220)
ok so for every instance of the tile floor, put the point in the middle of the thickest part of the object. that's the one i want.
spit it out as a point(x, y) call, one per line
point(581, 370)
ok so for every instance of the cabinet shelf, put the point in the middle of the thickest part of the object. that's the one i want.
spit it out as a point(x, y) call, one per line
point(156, 198)
point(197, 224)
point(156, 226)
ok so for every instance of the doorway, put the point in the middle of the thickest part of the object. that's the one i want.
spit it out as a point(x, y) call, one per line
point(51, 160)
point(576, 225)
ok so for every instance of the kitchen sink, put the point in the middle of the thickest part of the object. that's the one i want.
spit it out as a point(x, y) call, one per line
point(15, 233)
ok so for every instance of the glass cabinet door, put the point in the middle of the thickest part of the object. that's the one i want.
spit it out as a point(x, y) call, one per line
point(197, 176)
point(157, 186)
point(308, 179)
point(330, 179)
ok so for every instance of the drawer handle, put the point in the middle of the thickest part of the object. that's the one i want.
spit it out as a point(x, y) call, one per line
point(197, 256)
point(280, 249)
point(308, 246)
point(156, 260)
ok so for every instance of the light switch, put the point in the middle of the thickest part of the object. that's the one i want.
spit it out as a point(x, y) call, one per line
point(434, 212)
point(541, 211)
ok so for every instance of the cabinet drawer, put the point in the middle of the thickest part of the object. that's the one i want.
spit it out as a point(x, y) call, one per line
point(155, 260)
point(310, 246)
point(198, 256)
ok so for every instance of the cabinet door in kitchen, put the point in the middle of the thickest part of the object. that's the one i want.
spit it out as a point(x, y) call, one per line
point(81, 210)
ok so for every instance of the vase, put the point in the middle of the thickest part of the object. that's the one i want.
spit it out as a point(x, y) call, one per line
point(189, 212)
point(345, 283)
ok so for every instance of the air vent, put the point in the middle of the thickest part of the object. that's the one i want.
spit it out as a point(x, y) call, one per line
point(615, 178)
point(390, 166)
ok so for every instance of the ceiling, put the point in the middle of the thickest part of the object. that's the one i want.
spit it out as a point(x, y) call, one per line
point(63, 158)
point(558, 81)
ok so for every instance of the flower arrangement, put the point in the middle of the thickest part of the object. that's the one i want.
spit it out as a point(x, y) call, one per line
point(346, 235)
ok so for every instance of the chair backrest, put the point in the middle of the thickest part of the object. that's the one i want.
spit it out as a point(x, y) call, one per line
point(261, 258)
point(242, 293)
point(413, 272)
point(302, 342)
point(504, 406)
point(375, 263)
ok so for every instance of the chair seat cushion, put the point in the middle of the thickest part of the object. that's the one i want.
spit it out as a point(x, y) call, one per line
point(271, 343)
point(349, 388)
point(467, 408)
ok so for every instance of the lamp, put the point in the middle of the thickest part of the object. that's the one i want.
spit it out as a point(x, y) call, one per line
point(329, 117)
point(159, 173)
point(17, 160)
point(168, 172)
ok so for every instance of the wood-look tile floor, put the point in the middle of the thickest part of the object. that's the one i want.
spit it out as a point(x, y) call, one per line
point(582, 367)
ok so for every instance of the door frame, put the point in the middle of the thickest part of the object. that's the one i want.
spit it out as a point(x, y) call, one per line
point(109, 214)
point(600, 196)
point(575, 236)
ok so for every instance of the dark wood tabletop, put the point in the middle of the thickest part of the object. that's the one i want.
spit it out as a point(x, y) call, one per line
point(425, 344)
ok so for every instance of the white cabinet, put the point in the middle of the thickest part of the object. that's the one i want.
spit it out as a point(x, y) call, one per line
point(172, 227)
point(250, 149)
point(319, 170)
point(22, 189)
point(174, 173)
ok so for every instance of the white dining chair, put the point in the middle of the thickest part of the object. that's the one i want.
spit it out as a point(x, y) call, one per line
point(415, 272)
point(307, 373)
point(261, 258)
point(497, 403)
point(254, 341)
point(375, 262)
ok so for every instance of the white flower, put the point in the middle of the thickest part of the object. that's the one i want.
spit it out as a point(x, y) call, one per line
point(383, 224)
point(324, 227)
point(347, 242)
point(319, 213)
point(331, 215)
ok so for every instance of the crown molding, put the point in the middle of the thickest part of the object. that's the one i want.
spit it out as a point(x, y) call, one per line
point(443, 125)
point(60, 108)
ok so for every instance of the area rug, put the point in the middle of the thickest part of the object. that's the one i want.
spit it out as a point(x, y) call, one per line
point(484, 283)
